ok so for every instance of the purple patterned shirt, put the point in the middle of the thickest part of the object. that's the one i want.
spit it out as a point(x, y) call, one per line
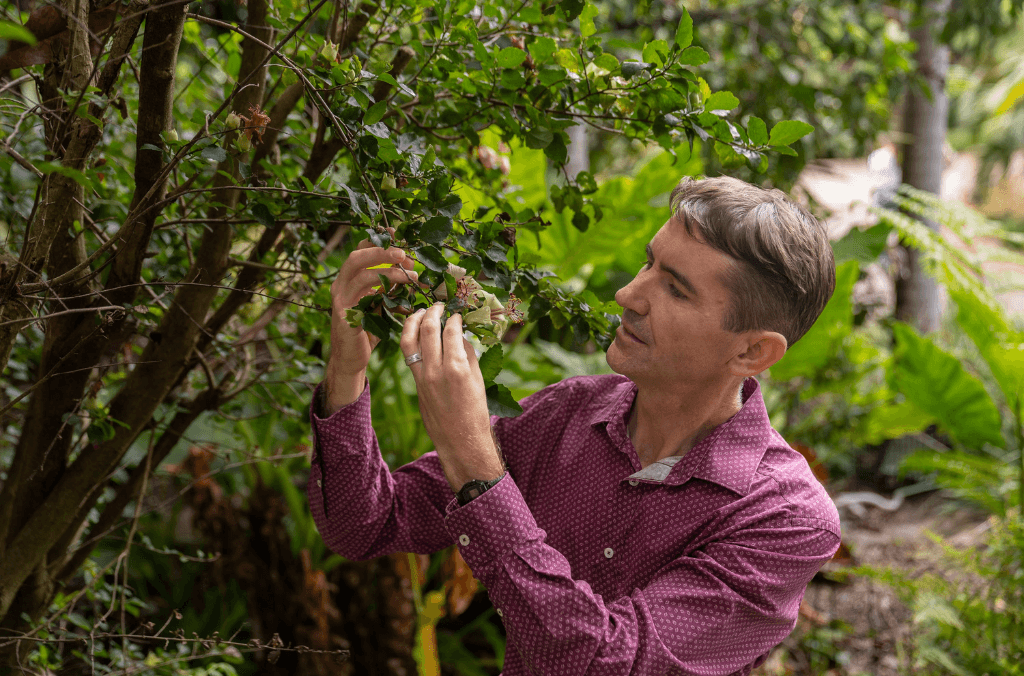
point(691, 565)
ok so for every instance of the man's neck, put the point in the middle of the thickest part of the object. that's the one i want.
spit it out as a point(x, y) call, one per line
point(660, 426)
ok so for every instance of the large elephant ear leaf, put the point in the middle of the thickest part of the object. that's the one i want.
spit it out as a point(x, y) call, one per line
point(936, 382)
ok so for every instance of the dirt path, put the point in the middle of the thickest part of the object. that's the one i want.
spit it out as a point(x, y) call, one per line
point(877, 638)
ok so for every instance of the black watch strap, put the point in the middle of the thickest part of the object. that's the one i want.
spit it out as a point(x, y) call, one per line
point(475, 487)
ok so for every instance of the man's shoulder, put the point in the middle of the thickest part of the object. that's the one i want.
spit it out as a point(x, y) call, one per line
point(786, 472)
point(579, 397)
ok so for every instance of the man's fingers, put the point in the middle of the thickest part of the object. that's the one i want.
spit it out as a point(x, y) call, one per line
point(361, 259)
point(430, 336)
point(453, 339)
point(409, 343)
point(470, 352)
point(396, 275)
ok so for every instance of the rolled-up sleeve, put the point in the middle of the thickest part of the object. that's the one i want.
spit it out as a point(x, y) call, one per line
point(716, 611)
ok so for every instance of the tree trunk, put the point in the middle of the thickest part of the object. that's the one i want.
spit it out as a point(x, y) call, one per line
point(919, 299)
point(579, 150)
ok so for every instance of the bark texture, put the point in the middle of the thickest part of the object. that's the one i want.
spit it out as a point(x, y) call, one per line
point(918, 296)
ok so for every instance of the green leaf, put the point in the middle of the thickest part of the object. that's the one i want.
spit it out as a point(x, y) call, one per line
point(75, 175)
point(380, 130)
point(655, 52)
point(431, 258)
point(684, 32)
point(436, 229)
point(450, 206)
point(787, 131)
point(814, 350)
point(510, 57)
point(387, 77)
point(1000, 346)
point(490, 363)
point(721, 101)
point(694, 56)
point(631, 68)
point(566, 58)
point(1015, 94)
point(374, 113)
point(496, 252)
point(12, 31)
point(757, 130)
point(539, 138)
point(587, 27)
point(262, 214)
point(377, 325)
point(572, 8)
point(500, 402)
point(936, 382)
point(542, 49)
point(607, 61)
point(214, 154)
point(863, 246)
point(894, 421)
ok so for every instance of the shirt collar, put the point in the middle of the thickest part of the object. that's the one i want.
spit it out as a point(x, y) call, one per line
point(729, 456)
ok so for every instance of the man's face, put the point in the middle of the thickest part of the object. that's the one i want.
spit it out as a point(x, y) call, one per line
point(678, 319)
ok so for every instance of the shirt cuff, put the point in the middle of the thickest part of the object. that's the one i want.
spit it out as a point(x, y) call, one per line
point(491, 525)
point(346, 428)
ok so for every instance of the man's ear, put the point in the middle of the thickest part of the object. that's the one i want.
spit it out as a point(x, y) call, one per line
point(764, 348)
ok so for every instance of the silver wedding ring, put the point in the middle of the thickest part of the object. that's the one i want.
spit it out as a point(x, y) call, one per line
point(413, 358)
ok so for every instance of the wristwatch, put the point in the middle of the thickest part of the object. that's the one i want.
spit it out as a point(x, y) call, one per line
point(475, 487)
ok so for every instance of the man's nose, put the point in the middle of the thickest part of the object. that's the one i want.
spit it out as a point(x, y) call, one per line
point(629, 296)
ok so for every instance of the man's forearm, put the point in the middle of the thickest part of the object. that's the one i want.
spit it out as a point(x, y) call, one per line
point(340, 390)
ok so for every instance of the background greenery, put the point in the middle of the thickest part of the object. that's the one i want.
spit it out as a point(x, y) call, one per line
point(212, 546)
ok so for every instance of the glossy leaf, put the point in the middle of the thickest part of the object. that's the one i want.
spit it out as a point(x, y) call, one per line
point(684, 31)
point(788, 131)
point(936, 382)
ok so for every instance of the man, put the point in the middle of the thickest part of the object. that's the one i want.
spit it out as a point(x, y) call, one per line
point(649, 521)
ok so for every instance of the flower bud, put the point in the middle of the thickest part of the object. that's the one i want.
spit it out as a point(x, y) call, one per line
point(388, 182)
point(480, 317)
point(171, 135)
point(456, 272)
point(243, 143)
point(329, 51)
point(232, 121)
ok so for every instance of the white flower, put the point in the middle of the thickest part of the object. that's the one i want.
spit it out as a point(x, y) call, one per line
point(441, 291)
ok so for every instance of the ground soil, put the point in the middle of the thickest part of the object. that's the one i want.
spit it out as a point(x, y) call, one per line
point(859, 627)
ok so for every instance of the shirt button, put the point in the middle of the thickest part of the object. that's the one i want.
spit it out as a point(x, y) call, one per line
point(464, 539)
point(608, 552)
point(319, 483)
point(500, 614)
point(633, 482)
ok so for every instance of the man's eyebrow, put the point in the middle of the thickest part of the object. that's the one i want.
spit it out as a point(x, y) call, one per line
point(681, 278)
